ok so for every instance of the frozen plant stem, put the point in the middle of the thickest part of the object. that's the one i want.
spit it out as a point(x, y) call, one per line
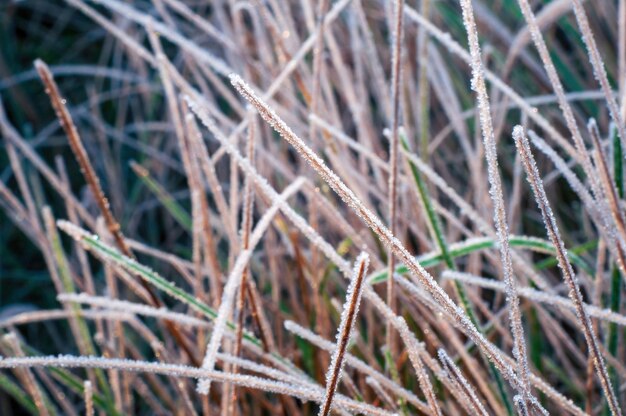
point(59, 105)
point(453, 311)
point(448, 364)
point(88, 398)
point(598, 68)
point(350, 310)
point(94, 184)
point(478, 85)
point(396, 74)
point(566, 268)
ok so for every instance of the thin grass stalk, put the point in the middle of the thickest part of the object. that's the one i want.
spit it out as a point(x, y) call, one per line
point(94, 244)
point(210, 249)
point(555, 80)
point(423, 85)
point(456, 49)
point(497, 197)
point(386, 237)
point(314, 393)
point(13, 389)
point(399, 324)
point(175, 209)
point(538, 296)
point(396, 81)
point(599, 71)
point(466, 387)
point(534, 178)
point(9, 132)
point(381, 393)
point(607, 183)
point(42, 402)
point(89, 411)
point(318, 63)
point(438, 236)
point(348, 317)
point(444, 303)
point(507, 371)
point(616, 276)
point(80, 153)
point(23, 186)
point(193, 181)
point(79, 327)
point(90, 176)
point(357, 364)
point(246, 227)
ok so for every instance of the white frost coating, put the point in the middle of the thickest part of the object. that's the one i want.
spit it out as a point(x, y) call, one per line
point(598, 68)
point(143, 19)
point(388, 239)
point(265, 188)
point(52, 314)
point(521, 142)
point(131, 307)
point(553, 76)
point(265, 370)
point(88, 389)
point(575, 183)
point(357, 364)
point(232, 284)
point(495, 191)
point(520, 406)
point(466, 387)
point(456, 314)
point(234, 278)
point(456, 49)
point(348, 314)
point(313, 393)
point(537, 296)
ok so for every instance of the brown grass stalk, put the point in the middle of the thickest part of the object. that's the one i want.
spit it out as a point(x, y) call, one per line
point(351, 308)
point(396, 80)
point(59, 105)
point(453, 311)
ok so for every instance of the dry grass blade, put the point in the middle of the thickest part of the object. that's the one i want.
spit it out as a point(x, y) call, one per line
point(608, 186)
point(256, 198)
point(180, 371)
point(88, 398)
point(566, 268)
point(556, 85)
point(454, 371)
point(453, 311)
point(599, 71)
point(94, 184)
point(80, 153)
point(497, 197)
point(394, 143)
point(348, 316)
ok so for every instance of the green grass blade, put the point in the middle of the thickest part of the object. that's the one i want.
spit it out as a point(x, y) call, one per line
point(446, 256)
point(175, 209)
point(19, 395)
point(478, 244)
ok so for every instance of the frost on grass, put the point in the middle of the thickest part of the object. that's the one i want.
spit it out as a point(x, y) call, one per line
point(497, 196)
point(357, 364)
point(537, 296)
point(305, 393)
point(348, 315)
point(534, 179)
point(467, 389)
point(388, 239)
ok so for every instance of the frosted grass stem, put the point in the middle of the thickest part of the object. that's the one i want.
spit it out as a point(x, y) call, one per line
point(348, 315)
point(534, 179)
